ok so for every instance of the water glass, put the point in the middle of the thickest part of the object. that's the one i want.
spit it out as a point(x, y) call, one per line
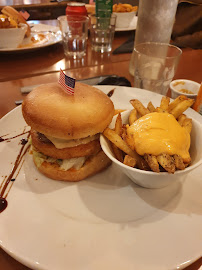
point(155, 65)
point(155, 23)
point(102, 31)
point(74, 31)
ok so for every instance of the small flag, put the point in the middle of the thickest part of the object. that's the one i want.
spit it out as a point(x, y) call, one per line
point(67, 83)
point(24, 14)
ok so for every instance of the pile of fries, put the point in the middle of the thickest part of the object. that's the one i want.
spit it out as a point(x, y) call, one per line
point(163, 162)
point(124, 8)
point(7, 22)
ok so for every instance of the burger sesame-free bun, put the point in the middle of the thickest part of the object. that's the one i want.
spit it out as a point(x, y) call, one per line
point(92, 166)
point(48, 109)
point(16, 16)
point(49, 149)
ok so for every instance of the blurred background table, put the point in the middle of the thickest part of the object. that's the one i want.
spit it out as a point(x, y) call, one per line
point(38, 9)
point(43, 65)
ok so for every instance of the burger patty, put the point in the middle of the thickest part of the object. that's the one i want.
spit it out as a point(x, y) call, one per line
point(42, 138)
point(45, 146)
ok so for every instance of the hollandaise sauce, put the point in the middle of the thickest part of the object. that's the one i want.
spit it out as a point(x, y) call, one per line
point(157, 133)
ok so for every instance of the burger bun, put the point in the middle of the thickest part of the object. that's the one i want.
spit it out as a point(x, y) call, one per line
point(49, 110)
point(92, 166)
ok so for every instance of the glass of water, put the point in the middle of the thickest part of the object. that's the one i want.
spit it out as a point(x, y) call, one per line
point(155, 23)
point(102, 32)
point(74, 31)
point(155, 65)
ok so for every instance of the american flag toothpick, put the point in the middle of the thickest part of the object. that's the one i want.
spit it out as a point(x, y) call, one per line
point(67, 83)
point(24, 14)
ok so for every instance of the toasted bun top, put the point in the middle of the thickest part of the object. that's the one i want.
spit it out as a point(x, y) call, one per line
point(51, 111)
point(16, 16)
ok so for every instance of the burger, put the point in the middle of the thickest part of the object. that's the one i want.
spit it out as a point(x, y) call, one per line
point(65, 130)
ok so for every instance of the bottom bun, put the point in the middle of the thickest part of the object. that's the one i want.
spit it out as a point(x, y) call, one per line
point(92, 166)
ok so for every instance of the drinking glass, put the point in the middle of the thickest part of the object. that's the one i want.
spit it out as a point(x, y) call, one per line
point(155, 65)
point(155, 23)
point(74, 35)
point(102, 32)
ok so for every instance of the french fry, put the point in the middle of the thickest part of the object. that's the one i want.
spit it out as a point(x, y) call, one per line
point(187, 124)
point(151, 107)
point(186, 164)
point(139, 107)
point(124, 132)
point(141, 162)
point(129, 161)
point(117, 152)
point(167, 162)
point(115, 7)
point(118, 129)
point(118, 125)
point(127, 5)
point(159, 110)
point(135, 8)
point(175, 102)
point(152, 162)
point(179, 164)
point(187, 160)
point(121, 144)
point(124, 8)
point(181, 107)
point(181, 118)
point(117, 111)
point(132, 116)
point(165, 103)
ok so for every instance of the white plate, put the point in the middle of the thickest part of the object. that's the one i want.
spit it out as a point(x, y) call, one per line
point(104, 222)
point(42, 35)
point(132, 26)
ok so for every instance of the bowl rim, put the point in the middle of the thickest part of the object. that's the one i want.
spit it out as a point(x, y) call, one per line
point(185, 80)
point(127, 12)
point(22, 26)
point(116, 161)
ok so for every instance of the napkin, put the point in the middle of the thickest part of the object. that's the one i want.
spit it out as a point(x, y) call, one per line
point(126, 47)
point(115, 80)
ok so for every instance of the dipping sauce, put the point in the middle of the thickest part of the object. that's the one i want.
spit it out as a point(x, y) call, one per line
point(185, 91)
point(177, 83)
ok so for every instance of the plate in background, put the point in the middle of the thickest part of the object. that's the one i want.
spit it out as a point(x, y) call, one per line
point(41, 36)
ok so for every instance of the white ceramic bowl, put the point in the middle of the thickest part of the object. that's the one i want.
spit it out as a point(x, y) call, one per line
point(149, 179)
point(123, 19)
point(178, 85)
point(12, 37)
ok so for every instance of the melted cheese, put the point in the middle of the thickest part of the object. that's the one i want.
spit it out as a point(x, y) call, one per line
point(62, 143)
point(158, 133)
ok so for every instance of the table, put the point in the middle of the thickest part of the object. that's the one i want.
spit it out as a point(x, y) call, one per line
point(43, 66)
point(38, 9)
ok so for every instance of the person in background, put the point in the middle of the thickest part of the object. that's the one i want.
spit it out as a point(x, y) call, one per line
point(187, 29)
